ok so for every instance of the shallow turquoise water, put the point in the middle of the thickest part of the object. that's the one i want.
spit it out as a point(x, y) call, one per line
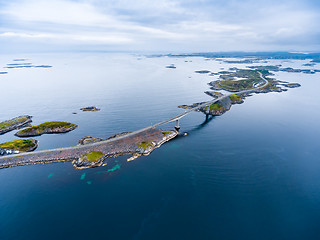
point(253, 173)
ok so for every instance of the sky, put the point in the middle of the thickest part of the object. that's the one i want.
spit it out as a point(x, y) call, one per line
point(159, 25)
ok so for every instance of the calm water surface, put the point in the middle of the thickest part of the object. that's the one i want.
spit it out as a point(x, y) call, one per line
point(253, 173)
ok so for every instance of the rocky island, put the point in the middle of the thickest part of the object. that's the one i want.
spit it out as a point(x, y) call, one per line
point(138, 143)
point(47, 127)
point(90, 109)
point(15, 123)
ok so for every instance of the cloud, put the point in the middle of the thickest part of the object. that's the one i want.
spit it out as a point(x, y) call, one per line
point(181, 25)
point(70, 38)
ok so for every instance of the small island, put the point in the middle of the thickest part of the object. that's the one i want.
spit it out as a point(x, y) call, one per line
point(15, 123)
point(171, 66)
point(90, 109)
point(47, 127)
point(17, 146)
point(202, 71)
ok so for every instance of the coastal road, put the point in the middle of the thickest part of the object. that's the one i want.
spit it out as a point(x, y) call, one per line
point(175, 118)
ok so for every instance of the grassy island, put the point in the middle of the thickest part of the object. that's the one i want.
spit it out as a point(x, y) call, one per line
point(47, 127)
point(93, 156)
point(23, 145)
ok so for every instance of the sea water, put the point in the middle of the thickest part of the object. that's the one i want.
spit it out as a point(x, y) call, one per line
point(252, 173)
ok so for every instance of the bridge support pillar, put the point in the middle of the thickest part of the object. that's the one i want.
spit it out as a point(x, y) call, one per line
point(177, 126)
point(207, 112)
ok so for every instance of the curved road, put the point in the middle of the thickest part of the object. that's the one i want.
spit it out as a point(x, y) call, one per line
point(175, 118)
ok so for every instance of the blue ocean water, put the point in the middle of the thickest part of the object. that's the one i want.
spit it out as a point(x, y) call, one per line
point(252, 173)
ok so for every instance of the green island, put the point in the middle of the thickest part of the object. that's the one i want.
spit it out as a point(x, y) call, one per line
point(93, 156)
point(21, 145)
point(47, 127)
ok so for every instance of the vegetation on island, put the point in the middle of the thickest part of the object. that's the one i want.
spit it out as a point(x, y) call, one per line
point(47, 127)
point(93, 156)
point(238, 85)
point(145, 144)
point(249, 79)
point(235, 98)
point(22, 145)
point(216, 107)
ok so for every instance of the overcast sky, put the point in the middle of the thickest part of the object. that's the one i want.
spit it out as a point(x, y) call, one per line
point(160, 25)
